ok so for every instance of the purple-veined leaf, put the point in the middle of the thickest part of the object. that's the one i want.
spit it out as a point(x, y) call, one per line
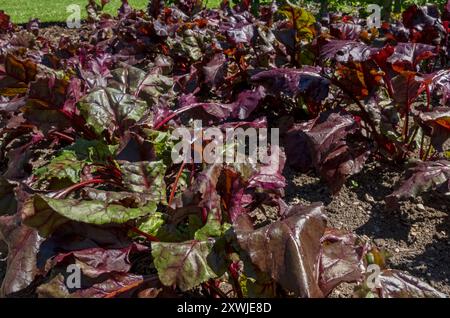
point(23, 246)
point(422, 177)
point(398, 284)
point(46, 214)
point(97, 261)
point(346, 31)
point(116, 285)
point(407, 56)
point(344, 51)
point(145, 177)
point(187, 264)
point(438, 122)
point(341, 260)
point(288, 250)
point(406, 86)
point(134, 81)
point(109, 111)
point(321, 144)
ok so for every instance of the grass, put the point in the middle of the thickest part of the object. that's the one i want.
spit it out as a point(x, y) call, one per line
point(21, 11)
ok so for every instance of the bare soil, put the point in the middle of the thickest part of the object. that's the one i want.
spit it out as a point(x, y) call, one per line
point(416, 235)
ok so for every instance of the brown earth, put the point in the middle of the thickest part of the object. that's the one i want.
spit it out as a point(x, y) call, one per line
point(416, 235)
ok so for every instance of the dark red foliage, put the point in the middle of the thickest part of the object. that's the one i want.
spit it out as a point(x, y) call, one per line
point(87, 133)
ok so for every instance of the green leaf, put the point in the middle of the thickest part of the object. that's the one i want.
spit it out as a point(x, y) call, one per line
point(110, 111)
point(145, 177)
point(46, 214)
point(152, 225)
point(134, 81)
point(93, 151)
point(212, 228)
point(301, 19)
point(185, 265)
point(65, 166)
point(128, 199)
point(190, 46)
point(162, 142)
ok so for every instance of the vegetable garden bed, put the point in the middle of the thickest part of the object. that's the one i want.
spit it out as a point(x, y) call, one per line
point(358, 184)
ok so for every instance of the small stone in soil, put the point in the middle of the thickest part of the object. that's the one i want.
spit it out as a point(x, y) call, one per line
point(369, 198)
point(420, 206)
point(379, 242)
point(397, 250)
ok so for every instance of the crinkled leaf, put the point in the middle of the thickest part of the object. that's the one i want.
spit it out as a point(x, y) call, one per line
point(289, 249)
point(47, 92)
point(46, 214)
point(341, 260)
point(145, 177)
point(439, 121)
point(65, 166)
point(134, 81)
point(344, 51)
point(213, 228)
point(94, 262)
point(322, 142)
point(16, 75)
point(152, 224)
point(346, 31)
point(68, 165)
point(215, 70)
point(110, 111)
point(294, 83)
point(92, 151)
point(422, 177)
point(128, 199)
point(407, 56)
point(117, 284)
point(302, 21)
point(23, 245)
point(398, 284)
point(439, 83)
point(187, 264)
point(55, 288)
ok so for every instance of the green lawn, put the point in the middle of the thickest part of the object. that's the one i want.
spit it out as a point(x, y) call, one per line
point(55, 10)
